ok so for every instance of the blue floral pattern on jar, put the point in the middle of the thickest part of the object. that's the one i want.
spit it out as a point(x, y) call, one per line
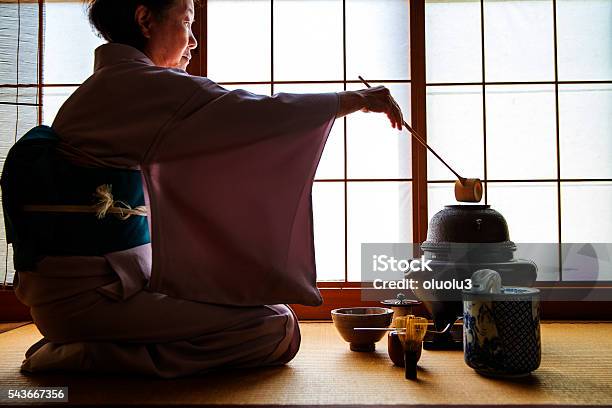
point(502, 337)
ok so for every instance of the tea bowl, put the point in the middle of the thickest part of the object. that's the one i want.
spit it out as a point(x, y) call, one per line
point(346, 319)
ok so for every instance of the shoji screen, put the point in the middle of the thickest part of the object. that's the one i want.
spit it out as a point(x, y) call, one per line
point(20, 91)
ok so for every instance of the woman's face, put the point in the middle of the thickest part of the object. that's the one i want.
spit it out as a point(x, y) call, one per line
point(170, 39)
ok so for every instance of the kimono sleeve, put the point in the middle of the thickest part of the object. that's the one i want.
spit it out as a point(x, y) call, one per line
point(229, 188)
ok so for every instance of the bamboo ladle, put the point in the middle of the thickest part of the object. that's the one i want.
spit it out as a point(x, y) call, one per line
point(466, 189)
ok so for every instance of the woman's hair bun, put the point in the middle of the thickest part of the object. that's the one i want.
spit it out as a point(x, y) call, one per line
point(114, 19)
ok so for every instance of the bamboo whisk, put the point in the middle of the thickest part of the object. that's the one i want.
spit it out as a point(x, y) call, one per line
point(411, 331)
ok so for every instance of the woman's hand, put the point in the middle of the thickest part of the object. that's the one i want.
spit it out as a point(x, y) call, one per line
point(377, 99)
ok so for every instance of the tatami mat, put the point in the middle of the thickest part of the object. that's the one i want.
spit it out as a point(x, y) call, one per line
point(576, 369)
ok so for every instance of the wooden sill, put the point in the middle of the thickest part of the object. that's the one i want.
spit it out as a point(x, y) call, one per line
point(11, 310)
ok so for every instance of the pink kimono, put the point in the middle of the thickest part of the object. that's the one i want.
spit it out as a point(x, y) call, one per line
point(227, 178)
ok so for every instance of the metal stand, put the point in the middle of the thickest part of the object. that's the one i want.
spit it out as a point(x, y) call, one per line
point(451, 340)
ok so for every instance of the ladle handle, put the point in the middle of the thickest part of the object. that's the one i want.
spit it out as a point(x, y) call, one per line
point(399, 328)
point(422, 141)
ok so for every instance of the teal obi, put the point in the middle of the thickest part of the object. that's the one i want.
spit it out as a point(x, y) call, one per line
point(35, 174)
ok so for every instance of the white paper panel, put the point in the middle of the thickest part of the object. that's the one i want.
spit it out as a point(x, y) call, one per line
point(519, 40)
point(69, 43)
point(529, 208)
point(375, 149)
point(308, 40)
point(378, 39)
point(238, 40)
point(586, 219)
point(585, 211)
point(53, 99)
point(377, 212)
point(584, 33)
point(455, 131)
point(585, 130)
point(521, 135)
point(328, 214)
point(453, 40)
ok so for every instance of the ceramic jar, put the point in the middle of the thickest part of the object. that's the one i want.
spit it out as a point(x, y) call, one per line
point(501, 332)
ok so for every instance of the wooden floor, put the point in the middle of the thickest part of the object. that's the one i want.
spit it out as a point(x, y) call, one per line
point(576, 369)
